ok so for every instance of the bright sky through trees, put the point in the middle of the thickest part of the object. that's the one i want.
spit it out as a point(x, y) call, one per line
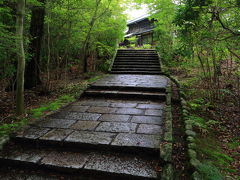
point(134, 12)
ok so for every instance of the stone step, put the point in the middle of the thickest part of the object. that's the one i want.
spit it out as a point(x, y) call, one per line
point(135, 53)
point(56, 132)
point(137, 72)
point(125, 94)
point(136, 50)
point(135, 57)
point(136, 63)
point(136, 69)
point(82, 164)
point(127, 88)
point(135, 66)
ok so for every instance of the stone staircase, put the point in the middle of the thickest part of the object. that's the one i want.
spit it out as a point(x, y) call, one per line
point(113, 131)
point(129, 61)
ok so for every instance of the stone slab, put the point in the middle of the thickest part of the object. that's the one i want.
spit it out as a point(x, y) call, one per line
point(116, 127)
point(150, 106)
point(85, 125)
point(137, 140)
point(149, 129)
point(122, 165)
point(21, 155)
point(56, 123)
point(154, 112)
point(83, 116)
point(147, 119)
point(32, 132)
point(90, 137)
point(114, 118)
point(76, 108)
point(65, 159)
point(130, 111)
point(94, 109)
point(101, 103)
point(123, 104)
point(56, 134)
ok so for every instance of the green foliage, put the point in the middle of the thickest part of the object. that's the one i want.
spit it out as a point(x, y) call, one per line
point(234, 143)
point(76, 25)
point(132, 40)
point(211, 150)
point(209, 172)
point(7, 129)
point(147, 46)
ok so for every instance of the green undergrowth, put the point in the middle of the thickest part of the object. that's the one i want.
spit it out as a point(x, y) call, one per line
point(7, 129)
point(215, 162)
point(66, 95)
point(51, 106)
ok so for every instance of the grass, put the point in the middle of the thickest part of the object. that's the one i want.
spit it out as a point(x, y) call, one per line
point(52, 106)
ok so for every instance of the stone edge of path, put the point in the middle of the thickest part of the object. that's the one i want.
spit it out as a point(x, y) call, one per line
point(166, 147)
point(190, 134)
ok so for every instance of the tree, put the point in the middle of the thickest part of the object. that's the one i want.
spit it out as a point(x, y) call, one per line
point(20, 55)
point(32, 77)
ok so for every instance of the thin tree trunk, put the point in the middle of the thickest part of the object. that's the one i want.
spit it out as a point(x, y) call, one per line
point(21, 56)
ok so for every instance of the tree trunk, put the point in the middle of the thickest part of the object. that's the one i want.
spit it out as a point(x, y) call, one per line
point(21, 56)
point(36, 31)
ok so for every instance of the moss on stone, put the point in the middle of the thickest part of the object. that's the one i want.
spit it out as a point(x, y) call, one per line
point(168, 136)
point(188, 127)
point(192, 154)
point(166, 152)
point(190, 133)
point(195, 162)
point(167, 173)
point(197, 176)
point(191, 139)
point(192, 146)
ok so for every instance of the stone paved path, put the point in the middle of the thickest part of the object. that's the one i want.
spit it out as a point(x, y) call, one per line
point(108, 136)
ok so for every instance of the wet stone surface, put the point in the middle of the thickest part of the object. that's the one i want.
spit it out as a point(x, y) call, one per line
point(137, 140)
point(33, 132)
point(123, 104)
point(114, 118)
point(116, 127)
point(85, 125)
point(147, 119)
point(90, 137)
point(83, 116)
point(76, 108)
point(56, 134)
point(66, 159)
point(149, 129)
point(118, 164)
point(150, 106)
point(101, 110)
point(130, 111)
point(151, 81)
point(23, 155)
point(153, 112)
point(57, 123)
